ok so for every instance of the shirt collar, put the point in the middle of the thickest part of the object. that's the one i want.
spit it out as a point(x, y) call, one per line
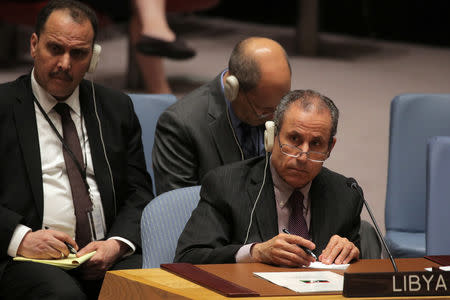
point(284, 188)
point(47, 101)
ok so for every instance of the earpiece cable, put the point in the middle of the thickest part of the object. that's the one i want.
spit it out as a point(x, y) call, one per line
point(104, 148)
point(257, 198)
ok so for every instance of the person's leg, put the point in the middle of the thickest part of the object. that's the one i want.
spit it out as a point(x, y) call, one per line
point(90, 287)
point(93, 287)
point(155, 36)
point(130, 262)
point(151, 67)
point(153, 74)
point(152, 14)
point(29, 280)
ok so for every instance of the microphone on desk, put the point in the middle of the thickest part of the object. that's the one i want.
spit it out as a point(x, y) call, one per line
point(351, 182)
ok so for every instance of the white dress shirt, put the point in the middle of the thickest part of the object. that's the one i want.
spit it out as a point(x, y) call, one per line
point(282, 192)
point(59, 212)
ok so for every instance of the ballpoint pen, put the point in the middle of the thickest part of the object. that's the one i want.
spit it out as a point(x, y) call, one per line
point(309, 252)
point(71, 248)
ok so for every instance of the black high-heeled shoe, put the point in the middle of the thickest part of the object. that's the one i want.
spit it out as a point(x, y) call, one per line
point(177, 49)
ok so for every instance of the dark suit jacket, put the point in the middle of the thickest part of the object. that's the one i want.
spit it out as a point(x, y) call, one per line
point(21, 191)
point(218, 226)
point(192, 137)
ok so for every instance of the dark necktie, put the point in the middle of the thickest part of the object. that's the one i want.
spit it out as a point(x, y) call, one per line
point(80, 196)
point(248, 145)
point(297, 223)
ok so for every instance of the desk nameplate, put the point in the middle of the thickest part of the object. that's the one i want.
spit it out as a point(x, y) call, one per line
point(400, 284)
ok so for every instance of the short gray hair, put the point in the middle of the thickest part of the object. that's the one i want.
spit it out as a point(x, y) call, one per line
point(307, 100)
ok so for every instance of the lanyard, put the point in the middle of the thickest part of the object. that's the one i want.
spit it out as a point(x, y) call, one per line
point(81, 169)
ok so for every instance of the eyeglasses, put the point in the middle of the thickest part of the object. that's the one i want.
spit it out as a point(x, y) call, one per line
point(294, 151)
point(259, 116)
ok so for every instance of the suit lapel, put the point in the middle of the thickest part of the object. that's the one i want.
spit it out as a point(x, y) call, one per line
point(318, 211)
point(265, 212)
point(220, 127)
point(98, 157)
point(27, 134)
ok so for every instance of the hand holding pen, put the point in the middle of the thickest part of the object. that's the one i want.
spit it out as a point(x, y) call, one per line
point(45, 244)
point(309, 252)
point(71, 248)
point(283, 250)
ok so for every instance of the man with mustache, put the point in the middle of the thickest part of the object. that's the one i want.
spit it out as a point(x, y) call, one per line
point(73, 169)
point(222, 121)
point(246, 207)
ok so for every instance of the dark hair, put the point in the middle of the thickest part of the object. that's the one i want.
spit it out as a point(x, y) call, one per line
point(307, 100)
point(244, 67)
point(78, 11)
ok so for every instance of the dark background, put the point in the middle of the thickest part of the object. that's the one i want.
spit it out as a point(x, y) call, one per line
point(416, 21)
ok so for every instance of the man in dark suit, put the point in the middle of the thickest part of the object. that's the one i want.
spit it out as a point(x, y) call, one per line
point(73, 168)
point(222, 121)
point(245, 206)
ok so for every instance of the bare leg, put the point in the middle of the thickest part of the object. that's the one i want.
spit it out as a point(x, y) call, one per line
point(152, 14)
point(151, 67)
point(156, 38)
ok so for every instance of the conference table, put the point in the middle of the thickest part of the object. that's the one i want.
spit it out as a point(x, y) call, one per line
point(160, 284)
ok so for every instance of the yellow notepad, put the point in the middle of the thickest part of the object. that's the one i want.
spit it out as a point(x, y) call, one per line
point(68, 263)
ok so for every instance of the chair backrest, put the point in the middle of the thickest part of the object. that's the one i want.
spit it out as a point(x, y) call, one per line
point(148, 108)
point(414, 119)
point(162, 222)
point(438, 199)
point(370, 243)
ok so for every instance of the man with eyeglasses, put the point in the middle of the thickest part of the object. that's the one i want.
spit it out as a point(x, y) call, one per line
point(247, 209)
point(222, 121)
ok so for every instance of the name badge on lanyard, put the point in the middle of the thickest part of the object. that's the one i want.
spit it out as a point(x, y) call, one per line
point(96, 222)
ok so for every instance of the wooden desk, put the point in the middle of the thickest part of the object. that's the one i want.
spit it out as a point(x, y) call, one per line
point(160, 284)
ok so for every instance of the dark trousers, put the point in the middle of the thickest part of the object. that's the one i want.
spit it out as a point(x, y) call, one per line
point(28, 280)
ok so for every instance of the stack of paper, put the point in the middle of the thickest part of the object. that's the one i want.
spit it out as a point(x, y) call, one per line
point(306, 282)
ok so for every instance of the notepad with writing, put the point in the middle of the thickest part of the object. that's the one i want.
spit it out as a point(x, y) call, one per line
point(68, 263)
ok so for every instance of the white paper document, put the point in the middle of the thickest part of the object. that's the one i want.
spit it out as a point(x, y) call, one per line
point(305, 282)
point(319, 265)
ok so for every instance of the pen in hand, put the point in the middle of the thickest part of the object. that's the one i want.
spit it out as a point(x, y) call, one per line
point(309, 252)
point(71, 248)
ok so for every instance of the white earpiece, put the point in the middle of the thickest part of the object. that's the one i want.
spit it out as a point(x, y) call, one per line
point(95, 58)
point(231, 87)
point(269, 136)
